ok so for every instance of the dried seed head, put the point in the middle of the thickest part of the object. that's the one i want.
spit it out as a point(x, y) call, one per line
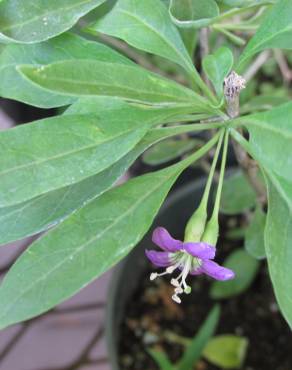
point(233, 84)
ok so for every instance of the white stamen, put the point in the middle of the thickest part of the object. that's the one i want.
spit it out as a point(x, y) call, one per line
point(169, 270)
point(180, 282)
point(176, 298)
point(185, 263)
point(174, 282)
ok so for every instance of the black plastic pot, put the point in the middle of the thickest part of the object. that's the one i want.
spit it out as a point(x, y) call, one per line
point(173, 215)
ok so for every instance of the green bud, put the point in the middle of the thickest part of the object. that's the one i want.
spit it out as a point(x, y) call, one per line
point(196, 225)
point(211, 232)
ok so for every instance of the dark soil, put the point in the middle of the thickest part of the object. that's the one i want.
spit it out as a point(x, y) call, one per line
point(155, 321)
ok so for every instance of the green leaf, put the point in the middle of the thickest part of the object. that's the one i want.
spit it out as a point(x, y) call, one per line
point(263, 102)
point(237, 195)
point(245, 268)
point(46, 210)
point(271, 138)
point(67, 46)
point(146, 25)
point(168, 150)
point(60, 151)
point(85, 245)
point(24, 22)
point(217, 67)
point(278, 236)
point(226, 351)
point(193, 13)
point(274, 32)
point(254, 236)
point(194, 351)
point(190, 39)
point(246, 3)
point(278, 240)
point(188, 35)
point(161, 359)
point(93, 78)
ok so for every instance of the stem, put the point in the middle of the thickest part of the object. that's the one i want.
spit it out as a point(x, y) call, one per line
point(236, 39)
point(190, 118)
point(238, 27)
point(236, 11)
point(215, 213)
point(211, 232)
point(199, 153)
point(196, 224)
point(204, 201)
point(177, 130)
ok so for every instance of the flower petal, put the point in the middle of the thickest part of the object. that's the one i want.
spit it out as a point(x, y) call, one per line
point(165, 241)
point(216, 271)
point(196, 271)
point(200, 250)
point(160, 259)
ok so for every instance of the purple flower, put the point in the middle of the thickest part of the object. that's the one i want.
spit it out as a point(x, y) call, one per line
point(192, 258)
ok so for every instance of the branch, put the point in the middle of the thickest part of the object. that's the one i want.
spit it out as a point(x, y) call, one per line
point(256, 65)
point(233, 84)
point(284, 67)
point(204, 50)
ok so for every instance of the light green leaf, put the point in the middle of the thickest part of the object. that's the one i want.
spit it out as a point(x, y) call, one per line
point(161, 359)
point(67, 46)
point(60, 151)
point(245, 268)
point(24, 22)
point(254, 236)
point(217, 67)
point(194, 351)
point(237, 195)
point(168, 150)
point(146, 25)
point(86, 244)
point(93, 78)
point(274, 32)
point(271, 138)
point(46, 210)
point(193, 13)
point(226, 351)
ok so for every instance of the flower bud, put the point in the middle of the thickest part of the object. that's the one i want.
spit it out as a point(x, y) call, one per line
point(211, 232)
point(196, 225)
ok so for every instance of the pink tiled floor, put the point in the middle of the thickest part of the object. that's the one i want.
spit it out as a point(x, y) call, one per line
point(54, 341)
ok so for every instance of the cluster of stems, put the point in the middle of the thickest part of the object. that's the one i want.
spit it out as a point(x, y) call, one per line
point(198, 228)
